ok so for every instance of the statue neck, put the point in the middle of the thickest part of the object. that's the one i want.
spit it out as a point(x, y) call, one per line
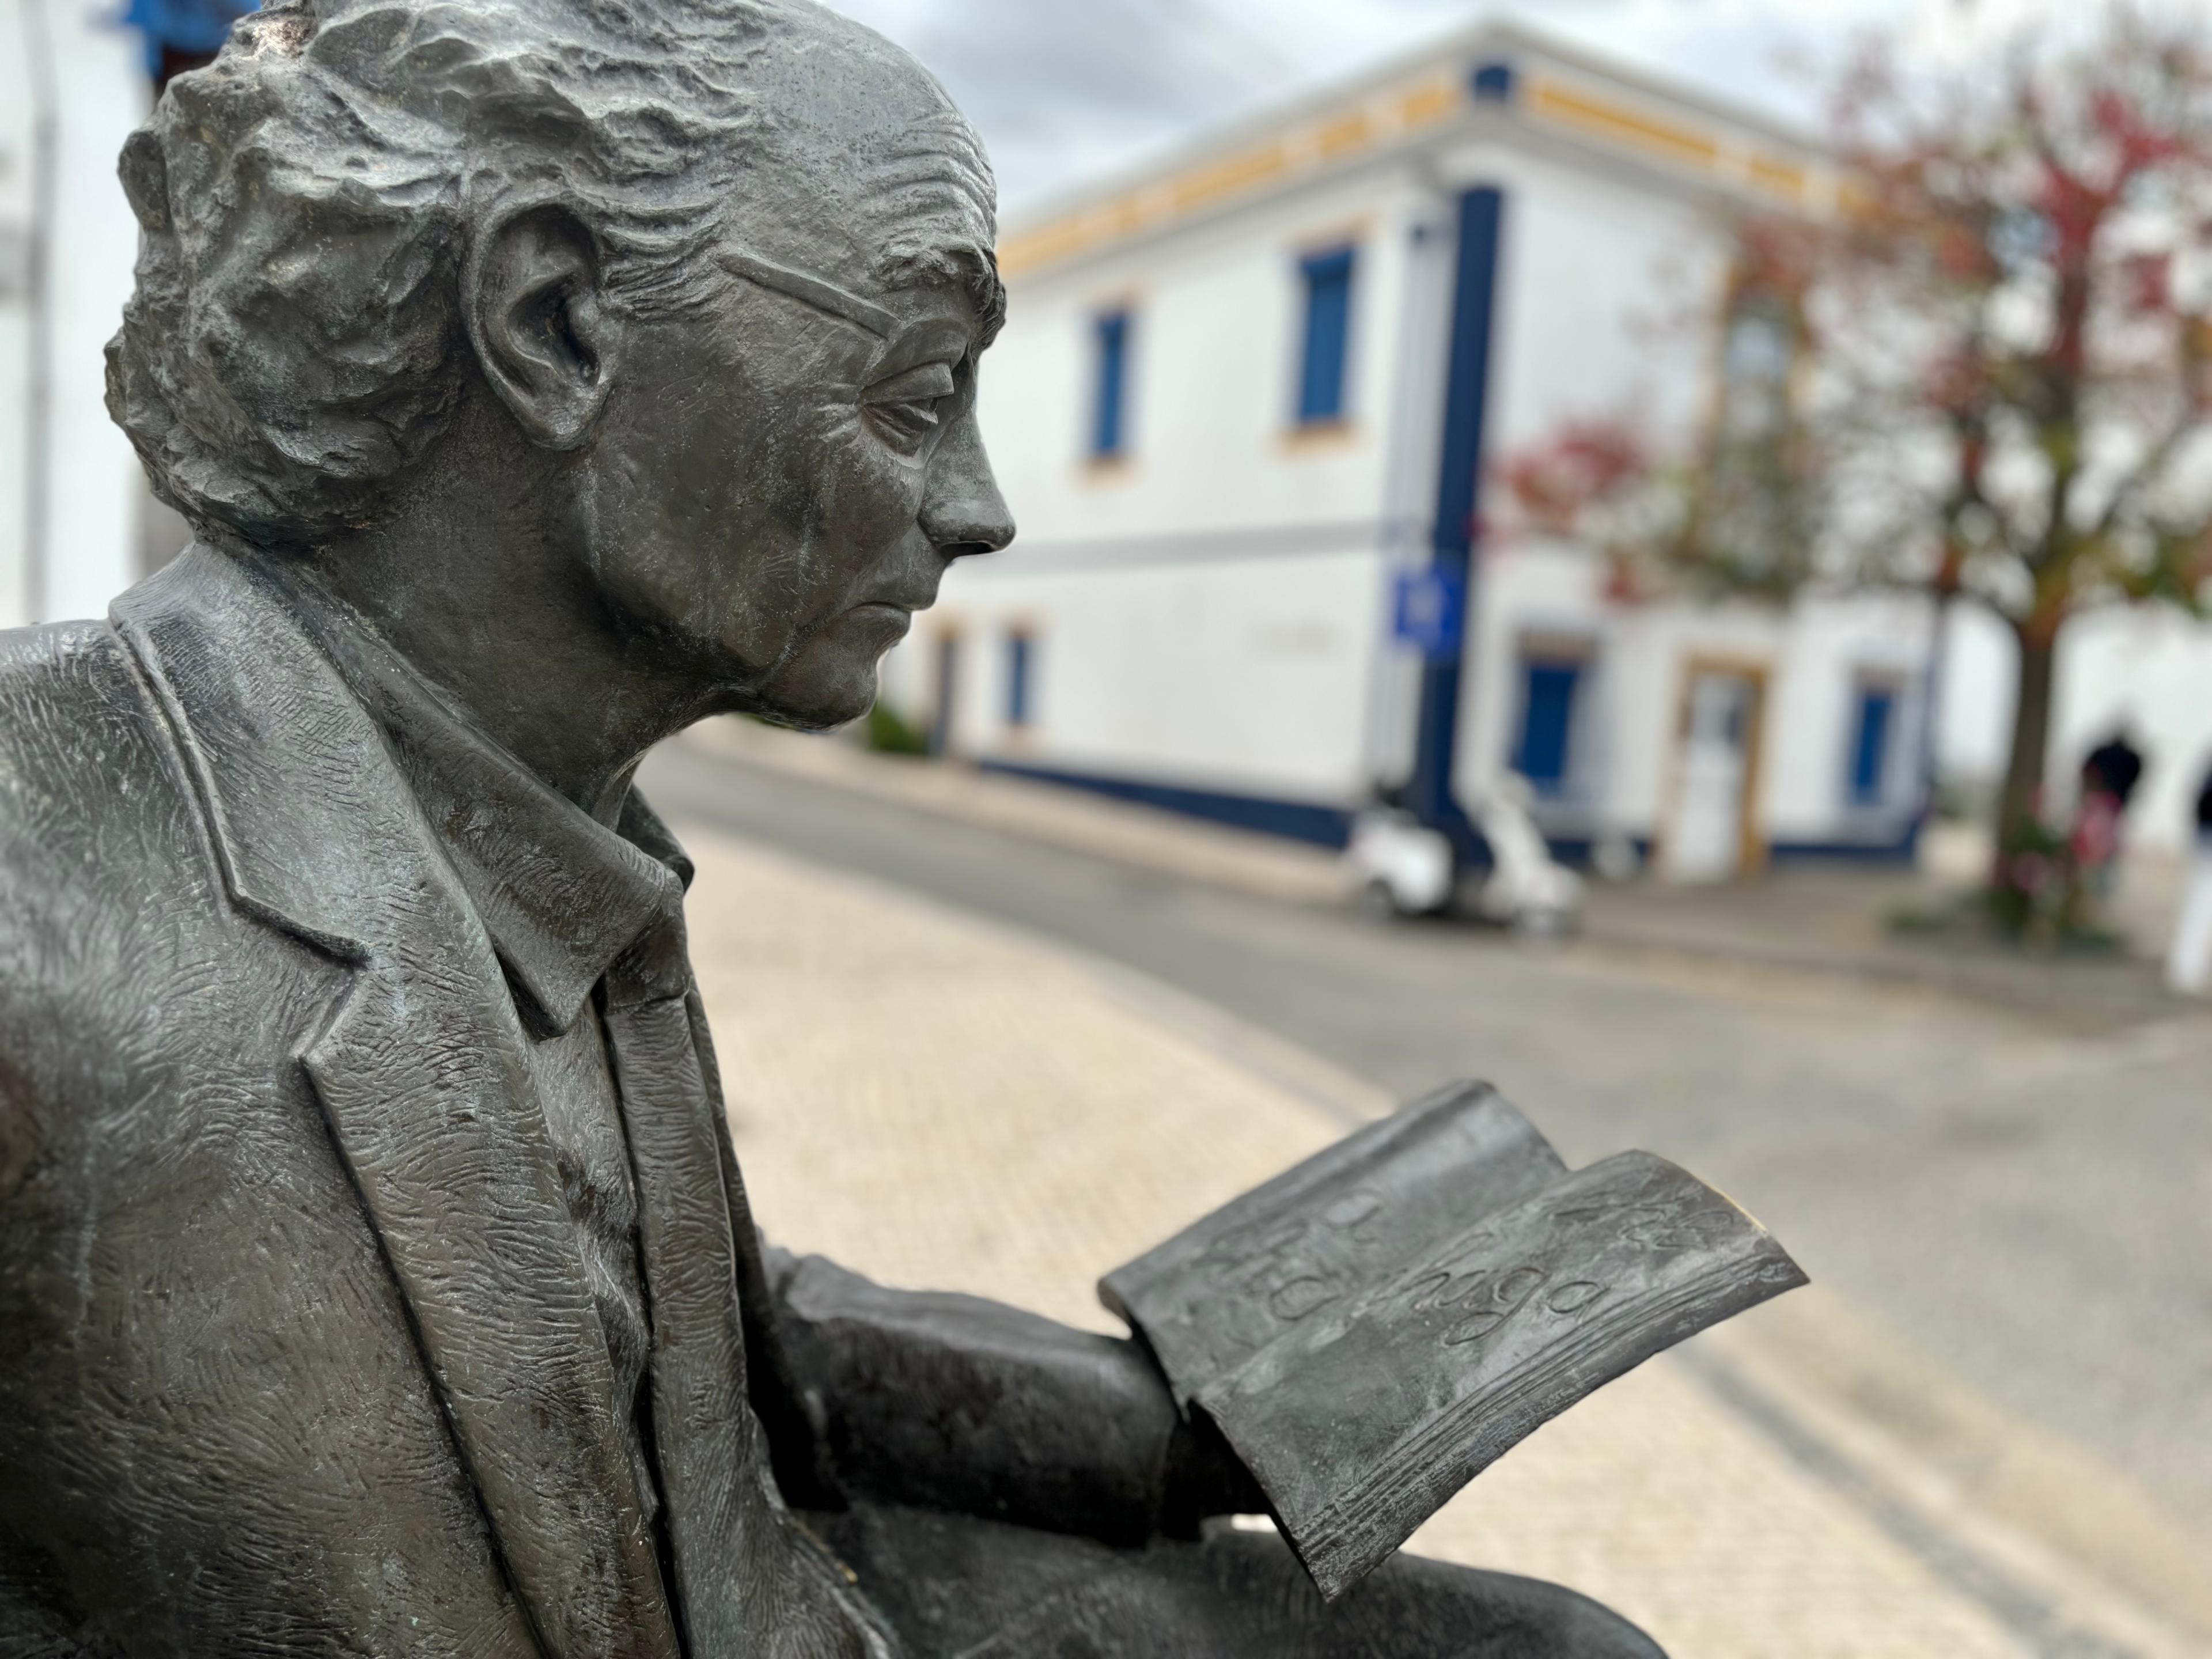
point(483, 588)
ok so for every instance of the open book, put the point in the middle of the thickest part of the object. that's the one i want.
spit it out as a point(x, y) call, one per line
point(1372, 1328)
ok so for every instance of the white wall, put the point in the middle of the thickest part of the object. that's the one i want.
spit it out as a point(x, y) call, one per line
point(1213, 610)
point(2147, 670)
point(1229, 674)
point(1216, 314)
point(96, 490)
point(1178, 638)
point(1605, 291)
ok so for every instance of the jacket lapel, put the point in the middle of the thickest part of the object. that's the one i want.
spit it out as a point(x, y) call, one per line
point(420, 1073)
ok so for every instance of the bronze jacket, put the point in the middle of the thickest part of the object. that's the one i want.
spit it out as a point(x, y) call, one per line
point(296, 1351)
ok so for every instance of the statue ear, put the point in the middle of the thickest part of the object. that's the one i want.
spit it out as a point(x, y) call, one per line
point(535, 311)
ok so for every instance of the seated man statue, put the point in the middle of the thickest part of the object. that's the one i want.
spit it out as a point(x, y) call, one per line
point(540, 377)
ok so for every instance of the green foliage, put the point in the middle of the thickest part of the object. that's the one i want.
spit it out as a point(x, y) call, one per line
point(888, 734)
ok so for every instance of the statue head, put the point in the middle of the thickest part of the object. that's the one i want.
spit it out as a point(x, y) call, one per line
point(704, 282)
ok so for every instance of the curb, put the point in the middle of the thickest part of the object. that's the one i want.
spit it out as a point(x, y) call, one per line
point(1268, 868)
point(1263, 867)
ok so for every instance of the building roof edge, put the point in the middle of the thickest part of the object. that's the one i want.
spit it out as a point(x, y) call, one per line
point(1414, 97)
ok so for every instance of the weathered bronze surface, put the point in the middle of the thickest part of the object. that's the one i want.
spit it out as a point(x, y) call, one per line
point(376, 1278)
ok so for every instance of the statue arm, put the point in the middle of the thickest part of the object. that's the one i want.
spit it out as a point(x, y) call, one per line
point(946, 1402)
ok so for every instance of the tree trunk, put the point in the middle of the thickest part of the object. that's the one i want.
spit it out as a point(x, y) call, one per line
point(2018, 806)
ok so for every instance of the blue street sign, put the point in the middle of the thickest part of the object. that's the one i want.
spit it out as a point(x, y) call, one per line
point(1428, 609)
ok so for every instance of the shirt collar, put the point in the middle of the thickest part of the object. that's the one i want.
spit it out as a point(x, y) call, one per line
point(562, 896)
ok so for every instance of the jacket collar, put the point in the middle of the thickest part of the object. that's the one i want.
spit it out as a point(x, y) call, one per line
point(421, 1075)
point(561, 895)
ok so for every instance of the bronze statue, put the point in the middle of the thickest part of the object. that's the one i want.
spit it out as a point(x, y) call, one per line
point(540, 376)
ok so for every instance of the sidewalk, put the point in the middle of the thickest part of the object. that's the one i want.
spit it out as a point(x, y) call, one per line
point(939, 1102)
point(1812, 919)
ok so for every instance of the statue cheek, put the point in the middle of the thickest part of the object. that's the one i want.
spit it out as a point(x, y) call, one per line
point(865, 488)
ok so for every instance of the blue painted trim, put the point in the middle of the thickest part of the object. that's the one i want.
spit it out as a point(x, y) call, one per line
point(1902, 849)
point(1321, 825)
point(1109, 415)
point(1294, 820)
point(195, 27)
point(1328, 280)
point(1544, 752)
point(1875, 723)
point(1021, 657)
point(1459, 497)
point(1493, 82)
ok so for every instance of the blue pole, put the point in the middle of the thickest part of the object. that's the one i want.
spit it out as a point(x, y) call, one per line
point(1459, 499)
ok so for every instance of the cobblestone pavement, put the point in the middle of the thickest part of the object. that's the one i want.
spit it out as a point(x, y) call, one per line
point(2019, 1206)
point(938, 1101)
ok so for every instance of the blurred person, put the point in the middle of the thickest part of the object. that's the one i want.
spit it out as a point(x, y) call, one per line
point(2109, 774)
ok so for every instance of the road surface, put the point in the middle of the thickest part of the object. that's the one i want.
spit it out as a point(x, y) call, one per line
point(2029, 1210)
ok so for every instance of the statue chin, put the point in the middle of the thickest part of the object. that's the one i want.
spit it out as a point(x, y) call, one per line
point(817, 701)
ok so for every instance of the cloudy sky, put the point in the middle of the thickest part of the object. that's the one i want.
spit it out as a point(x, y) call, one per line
point(1067, 90)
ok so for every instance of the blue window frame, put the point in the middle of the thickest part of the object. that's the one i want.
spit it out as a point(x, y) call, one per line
point(1493, 82)
point(1021, 664)
point(1874, 729)
point(1109, 425)
point(1545, 752)
point(1328, 279)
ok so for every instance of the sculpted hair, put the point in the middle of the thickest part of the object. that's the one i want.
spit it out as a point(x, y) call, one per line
point(295, 341)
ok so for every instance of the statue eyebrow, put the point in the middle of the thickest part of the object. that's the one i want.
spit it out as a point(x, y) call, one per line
point(808, 290)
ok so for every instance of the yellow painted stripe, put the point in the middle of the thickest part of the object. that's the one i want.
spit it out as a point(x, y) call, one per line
point(1356, 129)
point(1431, 102)
point(1345, 135)
point(1329, 139)
point(1601, 117)
point(1778, 177)
point(1046, 245)
point(1233, 175)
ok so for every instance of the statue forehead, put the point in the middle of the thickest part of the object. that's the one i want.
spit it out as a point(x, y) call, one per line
point(870, 160)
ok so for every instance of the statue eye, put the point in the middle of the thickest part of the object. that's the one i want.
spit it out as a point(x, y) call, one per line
point(905, 408)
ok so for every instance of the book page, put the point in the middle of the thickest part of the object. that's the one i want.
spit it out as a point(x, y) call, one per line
point(1360, 1422)
point(1266, 1262)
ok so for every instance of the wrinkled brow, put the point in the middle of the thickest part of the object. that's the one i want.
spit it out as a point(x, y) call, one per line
point(972, 267)
point(809, 290)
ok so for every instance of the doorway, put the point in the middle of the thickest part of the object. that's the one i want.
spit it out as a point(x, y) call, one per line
point(1711, 831)
point(942, 730)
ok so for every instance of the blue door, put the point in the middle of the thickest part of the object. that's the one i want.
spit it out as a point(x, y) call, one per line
point(1545, 754)
point(1868, 782)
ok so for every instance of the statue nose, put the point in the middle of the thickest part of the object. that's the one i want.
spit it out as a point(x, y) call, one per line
point(963, 513)
point(971, 544)
point(970, 522)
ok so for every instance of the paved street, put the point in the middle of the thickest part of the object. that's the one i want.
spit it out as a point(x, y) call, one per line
point(938, 1101)
point(2029, 1211)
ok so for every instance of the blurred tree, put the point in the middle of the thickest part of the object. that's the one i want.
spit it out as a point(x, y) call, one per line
point(1987, 373)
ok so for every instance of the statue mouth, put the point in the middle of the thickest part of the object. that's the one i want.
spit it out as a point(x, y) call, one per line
point(898, 608)
point(907, 603)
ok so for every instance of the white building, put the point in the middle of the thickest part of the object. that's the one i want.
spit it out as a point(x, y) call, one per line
point(1200, 611)
point(73, 84)
point(1230, 408)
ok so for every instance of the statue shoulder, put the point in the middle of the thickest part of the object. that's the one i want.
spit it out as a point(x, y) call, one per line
point(67, 690)
point(96, 821)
